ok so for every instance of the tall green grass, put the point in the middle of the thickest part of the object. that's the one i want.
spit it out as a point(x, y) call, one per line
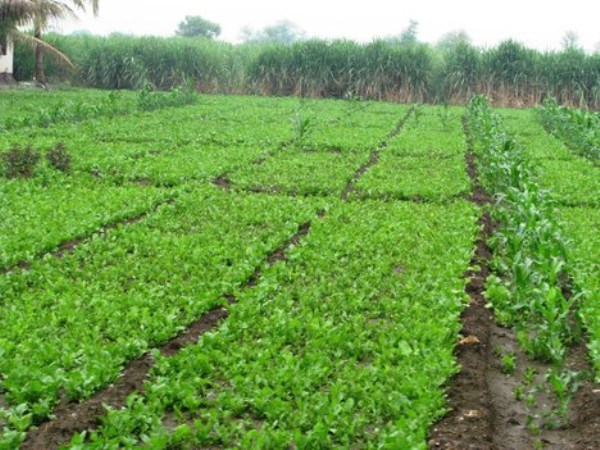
point(510, 73)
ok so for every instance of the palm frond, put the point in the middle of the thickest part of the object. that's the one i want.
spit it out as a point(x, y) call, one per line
point(53, 52)
point(22, 12)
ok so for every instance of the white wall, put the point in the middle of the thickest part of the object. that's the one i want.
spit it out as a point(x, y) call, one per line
point(6, 62)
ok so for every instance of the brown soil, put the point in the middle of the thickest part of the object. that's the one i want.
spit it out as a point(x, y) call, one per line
point(584, 433)
point(470, 423)
point(222, 182)
point(71, 418)
point(373, 159)
point(580, 430)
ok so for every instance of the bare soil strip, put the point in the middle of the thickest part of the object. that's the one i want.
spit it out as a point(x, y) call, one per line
point(485, 413)
point(71, 418)
point(374, 157)
point(470, 423)
point(69, 246)
point(394, 197)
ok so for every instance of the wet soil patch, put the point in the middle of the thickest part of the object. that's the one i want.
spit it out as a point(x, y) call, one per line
point(223, 182)
point(277, 190)
point(350, 187)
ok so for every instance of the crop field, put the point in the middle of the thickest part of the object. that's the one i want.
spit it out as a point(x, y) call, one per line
point(202, 271)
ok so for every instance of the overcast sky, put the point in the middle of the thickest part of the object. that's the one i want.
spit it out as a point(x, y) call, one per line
point(536, 23)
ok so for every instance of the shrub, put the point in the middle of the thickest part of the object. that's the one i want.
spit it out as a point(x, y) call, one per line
point(19, 162)
point(58, 158)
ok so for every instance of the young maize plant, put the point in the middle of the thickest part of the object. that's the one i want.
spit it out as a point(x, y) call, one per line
point(530, 288)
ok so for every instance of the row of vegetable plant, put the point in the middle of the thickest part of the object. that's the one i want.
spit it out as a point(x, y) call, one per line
point(348, 343)
point(36, 215)
point(574, 185)
point(570, 179)
point(582, 227)
point(426, 161)
point(529, 289)
point(325, 160)
point(100, 104)
point(111, 163)
point(579, 129)
point(69, 325)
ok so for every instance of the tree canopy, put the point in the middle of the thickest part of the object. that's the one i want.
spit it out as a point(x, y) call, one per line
point(283, 32)
point(38, 13)
point(196, 26)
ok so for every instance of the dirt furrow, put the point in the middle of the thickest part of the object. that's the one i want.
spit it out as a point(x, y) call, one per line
point(374, 157)
point(71, 418)
point(69, 246)
point(470, 422)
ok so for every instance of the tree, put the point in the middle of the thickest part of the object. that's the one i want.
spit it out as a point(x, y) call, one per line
point(19, 13)
point(283, 32)
point(449, 41)
point(196, 26)
point(61, 10)
point(409, 34)
point(570, 41)
point(39, 13)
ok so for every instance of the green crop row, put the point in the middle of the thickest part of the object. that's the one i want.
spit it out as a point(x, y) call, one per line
point(19, 103)
point(67, 326)
point(426, 161)
point(570, 179)
point(348, 343)
point(49, 208)
point(579, 129)
point(301, 172)
point(37, 215)
point(530, 260)
point(114, 164)
point(323, 160)
point(78, 108)
point(582, 228)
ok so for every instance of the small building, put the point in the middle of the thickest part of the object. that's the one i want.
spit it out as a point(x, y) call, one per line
point(6, 61)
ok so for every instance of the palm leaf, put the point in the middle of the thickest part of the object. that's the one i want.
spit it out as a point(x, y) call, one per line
point(53, 52)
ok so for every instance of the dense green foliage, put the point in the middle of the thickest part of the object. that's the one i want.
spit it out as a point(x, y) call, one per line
point(574, 184)
point(37, 215)
point(425, 162)
point(349, 344)
point(570, 179)
point(582, 227)
point(412, 72)
point(164, 209)
point(580, 130)
point(119, 297)
point(198, 27)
